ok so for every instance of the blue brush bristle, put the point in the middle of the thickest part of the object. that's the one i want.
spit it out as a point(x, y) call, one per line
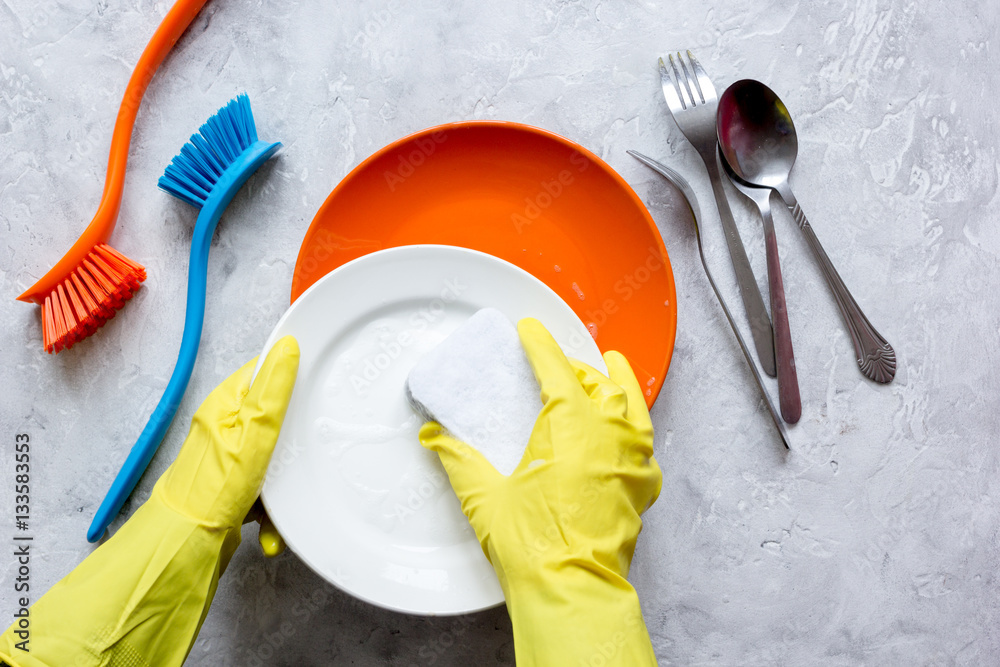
point(192, 174)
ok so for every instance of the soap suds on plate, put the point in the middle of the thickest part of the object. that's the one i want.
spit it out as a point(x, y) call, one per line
point(368, 433)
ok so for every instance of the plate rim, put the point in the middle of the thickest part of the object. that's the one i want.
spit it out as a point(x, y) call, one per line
point(362, 167)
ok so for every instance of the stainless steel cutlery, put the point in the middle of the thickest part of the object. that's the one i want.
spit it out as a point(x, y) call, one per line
point(692, 101)
point(748, 134)
point(757, 140)
point(788, 382)
point(692, 202)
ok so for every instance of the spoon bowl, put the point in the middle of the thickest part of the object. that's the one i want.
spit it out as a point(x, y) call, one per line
point(756, 134)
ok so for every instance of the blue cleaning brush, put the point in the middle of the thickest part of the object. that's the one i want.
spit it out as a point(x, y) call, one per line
point(207, 174)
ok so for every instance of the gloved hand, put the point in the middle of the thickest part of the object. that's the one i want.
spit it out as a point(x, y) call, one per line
point(140, 598)
point(560, 531)
point(270, 540)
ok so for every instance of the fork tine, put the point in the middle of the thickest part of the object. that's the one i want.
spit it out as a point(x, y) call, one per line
point(705, 87)
point(680, 74)
point(690, 80)
point(674, 102)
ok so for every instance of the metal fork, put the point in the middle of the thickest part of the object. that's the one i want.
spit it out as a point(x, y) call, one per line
point(692, 202)
point(693, 101)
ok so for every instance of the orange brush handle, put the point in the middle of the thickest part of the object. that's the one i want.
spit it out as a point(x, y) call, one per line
point(99, 230)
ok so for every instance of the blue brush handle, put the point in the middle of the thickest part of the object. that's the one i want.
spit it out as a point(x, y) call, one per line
point(149, 440)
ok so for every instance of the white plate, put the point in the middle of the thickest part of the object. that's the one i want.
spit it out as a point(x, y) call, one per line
point(349, 487)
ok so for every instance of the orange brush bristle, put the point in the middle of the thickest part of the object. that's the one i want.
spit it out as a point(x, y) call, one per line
point(89, 297)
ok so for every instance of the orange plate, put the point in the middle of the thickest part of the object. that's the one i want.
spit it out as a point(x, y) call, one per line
point(525, 195)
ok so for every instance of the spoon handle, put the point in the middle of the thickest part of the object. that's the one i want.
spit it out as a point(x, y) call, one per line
point(875, 356)
point(788, 381)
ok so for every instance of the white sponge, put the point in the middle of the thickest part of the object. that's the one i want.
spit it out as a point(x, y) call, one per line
point(478, 384)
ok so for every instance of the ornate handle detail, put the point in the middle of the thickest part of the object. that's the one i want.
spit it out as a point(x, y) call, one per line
point(875, 356)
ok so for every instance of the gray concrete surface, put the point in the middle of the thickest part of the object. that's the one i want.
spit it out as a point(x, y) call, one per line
point(873, 543)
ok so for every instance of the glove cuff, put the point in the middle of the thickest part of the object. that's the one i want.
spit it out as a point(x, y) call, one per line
point(148, 586)
point(577, 614)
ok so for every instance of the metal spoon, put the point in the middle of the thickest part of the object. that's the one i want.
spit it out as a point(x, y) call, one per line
point(757, 140)
point(692, 201)
point(788, 381)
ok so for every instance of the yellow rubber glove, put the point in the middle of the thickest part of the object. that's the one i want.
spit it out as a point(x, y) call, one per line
point(140, 598)
point(561, 529)
point(270, 540)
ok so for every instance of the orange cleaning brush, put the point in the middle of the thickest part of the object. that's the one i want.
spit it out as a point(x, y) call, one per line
point(93, 280)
